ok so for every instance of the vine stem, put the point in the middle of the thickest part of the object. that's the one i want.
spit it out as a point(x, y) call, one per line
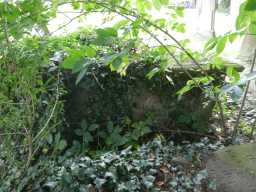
point(52, 111)
point(235, 131)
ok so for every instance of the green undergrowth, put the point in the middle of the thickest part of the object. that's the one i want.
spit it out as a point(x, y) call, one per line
point(156, 166)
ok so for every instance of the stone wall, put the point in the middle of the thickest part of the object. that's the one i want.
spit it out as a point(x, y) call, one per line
point(112, 97)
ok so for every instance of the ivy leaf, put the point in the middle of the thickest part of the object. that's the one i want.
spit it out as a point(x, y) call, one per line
point(79, 132)
point(88, 137)
point(62, 145)
point(93, 127)
point(148, 181)
point(99, 182)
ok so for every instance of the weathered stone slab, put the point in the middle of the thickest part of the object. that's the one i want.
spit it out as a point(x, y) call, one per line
point(234, 168)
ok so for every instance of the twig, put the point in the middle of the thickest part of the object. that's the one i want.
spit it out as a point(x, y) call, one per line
point(243, 101)
point(64, 25)
point(72, 19)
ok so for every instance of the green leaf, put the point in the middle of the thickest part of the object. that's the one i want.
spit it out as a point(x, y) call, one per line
point(88, 137)
point(157, 4)
point(77, 67)
point(243, 18)
point(185, 89)
point(89, 51)
point(232, 37)
point(161, 22)
point(74, 57)
point(252, 27)
point(179, 11)
point(142, 5)
point(153, 72)
point(50, 139)
point(210, 44)
point(120, 24)
point(62, 145)
point(233, 74)
point(116, 64)
point(181, 28)
point(75, 5)
point(164, 2)
point(84, 124)
point(93, 127)
point(107, 32)
point(79, 132)
point(81, 75)
point(221, 43)
point(217, 63)
point(250, 5)
point(105, 36)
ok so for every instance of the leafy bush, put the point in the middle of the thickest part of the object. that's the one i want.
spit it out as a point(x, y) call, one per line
point(30, 100)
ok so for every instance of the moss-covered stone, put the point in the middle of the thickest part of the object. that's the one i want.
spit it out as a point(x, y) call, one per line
point(242, 157)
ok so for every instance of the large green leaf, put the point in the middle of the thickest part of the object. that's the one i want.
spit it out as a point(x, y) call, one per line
point(74, 57)
point(243, 18)
point(250, 5)
point(221, 43)
point(105, 36)
point(89, 51)
point(143, 5)
point(157, 4)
